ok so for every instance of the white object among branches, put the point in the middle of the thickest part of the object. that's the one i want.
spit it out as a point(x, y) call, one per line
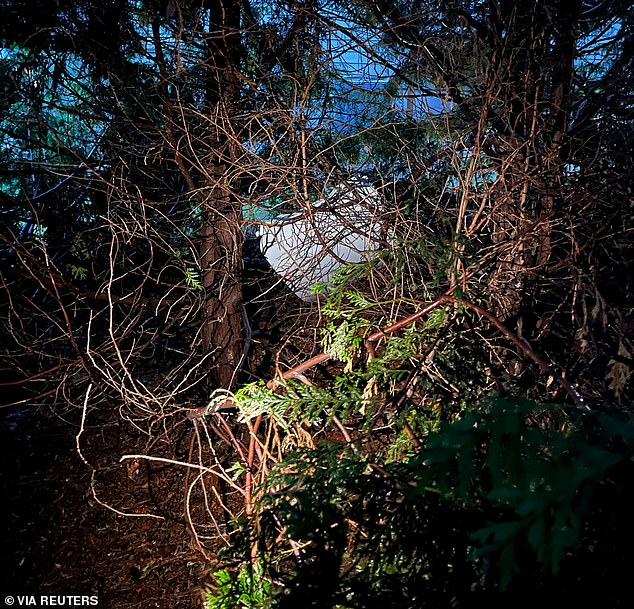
point(307, 247)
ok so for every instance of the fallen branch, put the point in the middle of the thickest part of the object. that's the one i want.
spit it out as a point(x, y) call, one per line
point(373, 338)
point(297, 371)
point(521, 343)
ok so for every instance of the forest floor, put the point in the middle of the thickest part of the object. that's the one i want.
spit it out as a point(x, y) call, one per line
point(58, 540)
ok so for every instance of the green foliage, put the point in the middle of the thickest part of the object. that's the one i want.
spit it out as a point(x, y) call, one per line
point(78, 272)
point(354, 394)
point(347, 326)
point(342, 341)
point(79, 249)
point(538, 478)
point(294, 401)
point(255, 399)
point(355, 518)
point(423, 421)
point(245, 589)
point(341, 280)
point(192, 278)
point(509, 484)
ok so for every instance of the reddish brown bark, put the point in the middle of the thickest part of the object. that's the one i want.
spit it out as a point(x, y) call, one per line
point(220, 247)
point(220, 261)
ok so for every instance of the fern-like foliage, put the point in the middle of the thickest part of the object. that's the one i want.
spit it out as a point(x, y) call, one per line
point(245, 588)
point(354, 394)
point(538, 478)
point(294, 401)
point(192, 278)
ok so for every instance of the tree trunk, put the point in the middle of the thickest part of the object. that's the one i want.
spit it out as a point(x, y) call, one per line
point(220, 248)
point(220, 261)
point(537, 106)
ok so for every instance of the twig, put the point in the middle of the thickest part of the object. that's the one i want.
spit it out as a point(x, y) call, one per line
point(84, 410)
point(248, 486)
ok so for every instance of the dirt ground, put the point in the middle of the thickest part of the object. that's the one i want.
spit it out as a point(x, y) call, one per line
point(58, 540)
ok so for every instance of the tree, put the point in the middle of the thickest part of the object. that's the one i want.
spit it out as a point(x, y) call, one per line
point(496, 135)
point(518, 159)
point(515, 73)
point(173, 129)
point(536, 103)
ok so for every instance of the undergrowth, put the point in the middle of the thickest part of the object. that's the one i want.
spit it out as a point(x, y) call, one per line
point(430, 479)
